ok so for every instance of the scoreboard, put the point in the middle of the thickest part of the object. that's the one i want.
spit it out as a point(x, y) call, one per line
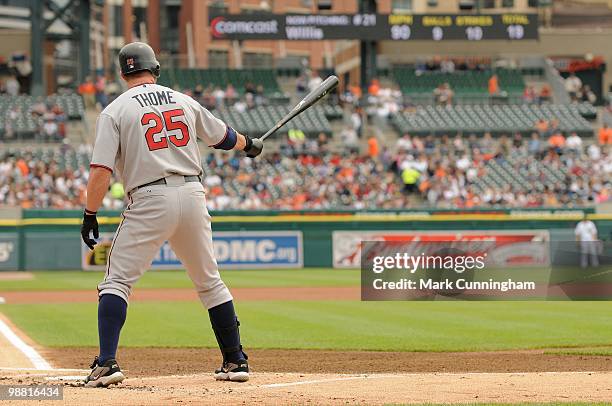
point(374, 27)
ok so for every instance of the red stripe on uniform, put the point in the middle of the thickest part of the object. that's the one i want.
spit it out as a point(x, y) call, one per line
point(101, 166)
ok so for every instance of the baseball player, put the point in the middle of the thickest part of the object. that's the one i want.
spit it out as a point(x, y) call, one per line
point(148, 136)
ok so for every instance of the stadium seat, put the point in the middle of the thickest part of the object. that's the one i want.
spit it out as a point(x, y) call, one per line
point(497, 119)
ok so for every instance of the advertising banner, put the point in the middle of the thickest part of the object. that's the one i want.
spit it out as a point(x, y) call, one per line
point(506, 248)
point(233, 250)
point(9, 252)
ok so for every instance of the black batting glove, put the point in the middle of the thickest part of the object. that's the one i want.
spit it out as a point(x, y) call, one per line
point(253, 146)
point(90, 223)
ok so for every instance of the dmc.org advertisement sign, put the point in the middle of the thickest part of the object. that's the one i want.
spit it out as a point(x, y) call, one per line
point(233, 250)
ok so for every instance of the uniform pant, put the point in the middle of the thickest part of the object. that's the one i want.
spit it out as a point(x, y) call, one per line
point(175, 212)
point(588, 249)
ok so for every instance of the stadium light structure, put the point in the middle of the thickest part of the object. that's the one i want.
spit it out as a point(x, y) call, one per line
point(75, 14)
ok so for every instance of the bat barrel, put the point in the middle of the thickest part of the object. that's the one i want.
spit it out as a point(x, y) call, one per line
point(310, 99)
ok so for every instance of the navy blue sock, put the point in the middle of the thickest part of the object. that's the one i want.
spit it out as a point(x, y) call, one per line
point(225, 325)
point(112, 311)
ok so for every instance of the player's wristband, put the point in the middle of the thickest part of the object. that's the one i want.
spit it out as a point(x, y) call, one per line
point(90, 213)
point(248, 143)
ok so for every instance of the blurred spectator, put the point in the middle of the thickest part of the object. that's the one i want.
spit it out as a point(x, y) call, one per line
point(301, 86)
point(374, 87)
point(443, 94)
point(11, 86)
point(447, 66)
point(529, 95)
point(219, 95)
point(587, 95)
point(373, 147)
point(50, 131)
point(87, 89)
point(10, 124)
point(493, 85)
point(605, 135)
point(349, 138)
point(557, 141)
point(21, 63)
point(574, 143)
point(410, 177)
point(404, 143)
point(297, 140)
point(573, 85)
point(545, 94)
point(230, 92)
point(541, 126)
point(101, 97)
point(314, 81)
point(534, 144)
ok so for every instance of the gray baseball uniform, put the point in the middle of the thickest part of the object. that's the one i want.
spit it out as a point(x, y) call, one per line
point(147, 134)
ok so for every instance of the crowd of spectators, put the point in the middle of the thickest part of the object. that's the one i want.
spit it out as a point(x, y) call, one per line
point(30, 182)
point(445, 171)
point(49, 119)
point(312, 174)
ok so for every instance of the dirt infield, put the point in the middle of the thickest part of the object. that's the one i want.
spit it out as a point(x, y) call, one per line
point(266, 388)
point(161, 376)
point(165, 375)
point(141, 362)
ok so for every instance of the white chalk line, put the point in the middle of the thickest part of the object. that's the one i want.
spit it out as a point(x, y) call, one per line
point(405, 375)
point(35, 358)
point(44, 370)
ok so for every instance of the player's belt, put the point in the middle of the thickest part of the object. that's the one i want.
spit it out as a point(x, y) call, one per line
point(162, 181)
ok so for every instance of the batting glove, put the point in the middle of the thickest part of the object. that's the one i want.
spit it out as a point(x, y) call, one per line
point(253, 146)
point(90, 223)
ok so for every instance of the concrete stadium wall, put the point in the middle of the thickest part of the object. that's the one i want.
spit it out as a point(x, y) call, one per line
point(55, 243)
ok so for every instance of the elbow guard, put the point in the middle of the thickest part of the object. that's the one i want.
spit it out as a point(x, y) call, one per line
point(229, 140)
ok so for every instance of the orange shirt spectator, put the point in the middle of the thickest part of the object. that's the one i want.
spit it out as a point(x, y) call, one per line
point(23, 167)
point(374, 87)
point(373, 148)
point(556, 140)
point(356, 90)
point(605, 135)
point(87, 88)
point(493, 85)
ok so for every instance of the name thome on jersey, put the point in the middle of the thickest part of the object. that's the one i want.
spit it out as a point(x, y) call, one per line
point(156, 98)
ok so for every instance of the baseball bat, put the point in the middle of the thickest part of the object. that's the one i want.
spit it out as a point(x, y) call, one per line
point(310, 99)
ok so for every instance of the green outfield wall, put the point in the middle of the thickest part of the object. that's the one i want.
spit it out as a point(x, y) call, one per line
point(50, 239)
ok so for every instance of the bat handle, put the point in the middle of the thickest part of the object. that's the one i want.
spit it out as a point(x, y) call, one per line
point(269, 133)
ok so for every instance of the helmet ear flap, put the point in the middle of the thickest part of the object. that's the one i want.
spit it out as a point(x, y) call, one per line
point(155, 70)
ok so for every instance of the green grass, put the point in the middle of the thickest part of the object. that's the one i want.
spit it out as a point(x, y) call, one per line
point(521, 404)
point(77, 280)
point(604, 350)
point(380, 326)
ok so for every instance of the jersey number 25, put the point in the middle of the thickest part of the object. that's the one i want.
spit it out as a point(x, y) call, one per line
point(156, 141)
